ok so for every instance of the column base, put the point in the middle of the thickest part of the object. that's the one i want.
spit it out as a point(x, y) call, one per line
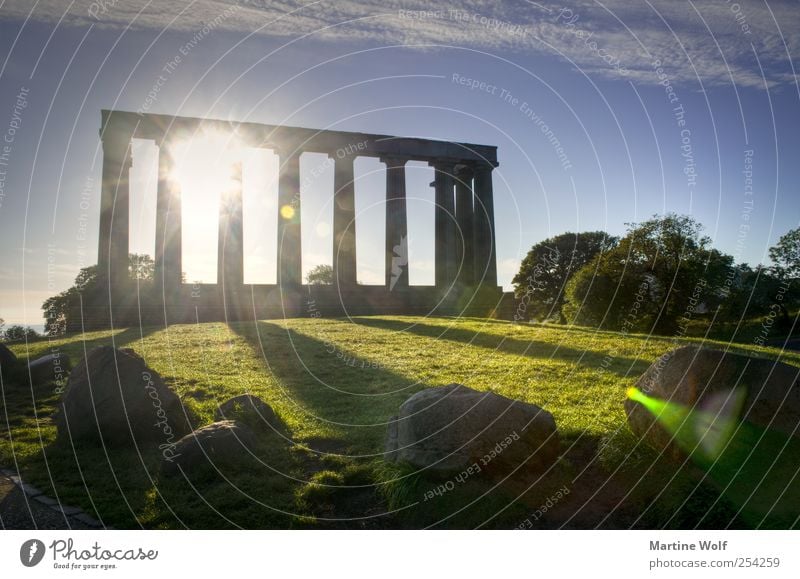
point(192, 303)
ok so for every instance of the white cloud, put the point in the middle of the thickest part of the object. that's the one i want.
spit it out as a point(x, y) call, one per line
point(635, 33)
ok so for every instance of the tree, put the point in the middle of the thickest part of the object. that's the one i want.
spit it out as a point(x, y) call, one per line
point(760, 292)
point(547, 268)
point(56, 308)
point(320, 275)
point(662, 272)
point(784, 291)
point(785, 255)
point(17, 332)
point(142, 267)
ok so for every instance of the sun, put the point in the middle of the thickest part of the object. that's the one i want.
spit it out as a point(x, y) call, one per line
point(207, 170)
point(206, 164)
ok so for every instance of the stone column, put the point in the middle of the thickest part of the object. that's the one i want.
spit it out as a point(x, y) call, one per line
point(445, 225)
point(112, 258)
point(168, 259)
point(396, 224)
point(485, 248)
point(465, 216)
point(230, 255)
point(289, 233)
point(344, 222)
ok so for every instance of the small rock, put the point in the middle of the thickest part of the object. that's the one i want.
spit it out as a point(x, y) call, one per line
point(45, 500)
point(52, 367)
point(29, 490)
point(250, 410)
point(66, 509)
point(224, 442)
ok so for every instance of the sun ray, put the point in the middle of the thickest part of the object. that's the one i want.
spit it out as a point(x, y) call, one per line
point(207, 169)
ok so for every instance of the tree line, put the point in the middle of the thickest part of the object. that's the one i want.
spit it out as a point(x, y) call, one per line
point(661, 276)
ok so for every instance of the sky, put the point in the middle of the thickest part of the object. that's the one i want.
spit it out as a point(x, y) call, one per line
point(604, 113)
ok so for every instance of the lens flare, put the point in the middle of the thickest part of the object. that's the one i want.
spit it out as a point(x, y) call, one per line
point(287, 212)
point(751, 464)
point(702, 431)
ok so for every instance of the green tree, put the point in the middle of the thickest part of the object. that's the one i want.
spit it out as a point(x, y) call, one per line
point(661, 273)
point(320, 275)
point(760, 292)
point(17, 333)
point(57, 308)
point(785, 255)
point(545, 271)
point(742, 298)
point(141, 266)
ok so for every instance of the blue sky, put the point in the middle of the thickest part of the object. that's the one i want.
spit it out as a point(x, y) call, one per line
point(595, 79)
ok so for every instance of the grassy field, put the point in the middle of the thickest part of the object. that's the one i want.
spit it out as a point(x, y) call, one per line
point(335, 383)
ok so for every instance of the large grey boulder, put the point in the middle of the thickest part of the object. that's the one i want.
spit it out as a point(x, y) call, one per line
point(113, 394)
point(7, 359)
point(218, 444)
point(714, 383)
point(447, 429)
point(52, 367)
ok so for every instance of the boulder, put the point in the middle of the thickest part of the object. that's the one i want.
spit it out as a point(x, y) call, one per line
point(766, 395)
point(220, 443)
point(7, 359)
point(52, 367)
point(112, 393)
point(250, 410)
point(449, 429)
point(6, 355)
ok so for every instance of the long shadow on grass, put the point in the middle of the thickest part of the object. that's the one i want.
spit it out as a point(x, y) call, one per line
point(314, 376)
point(532, 348)
point(330, 384)
point(344, 392)
point(346, 398)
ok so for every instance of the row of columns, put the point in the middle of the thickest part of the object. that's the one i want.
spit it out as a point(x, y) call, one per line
point(464, 222)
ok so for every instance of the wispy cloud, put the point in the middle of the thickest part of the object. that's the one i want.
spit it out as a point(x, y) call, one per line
point(709, 42)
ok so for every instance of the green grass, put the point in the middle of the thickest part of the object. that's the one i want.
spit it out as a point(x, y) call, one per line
point(763, 329)
point(335, 383)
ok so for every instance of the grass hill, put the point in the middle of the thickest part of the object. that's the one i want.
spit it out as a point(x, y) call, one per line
point(335, 383)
